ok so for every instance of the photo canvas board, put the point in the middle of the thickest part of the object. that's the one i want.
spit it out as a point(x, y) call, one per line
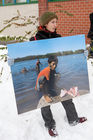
point(71, 73)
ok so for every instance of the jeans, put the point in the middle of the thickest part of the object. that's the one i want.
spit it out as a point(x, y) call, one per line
point(70, 112)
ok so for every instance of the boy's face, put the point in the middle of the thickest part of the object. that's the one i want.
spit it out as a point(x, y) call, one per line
point(53, 65)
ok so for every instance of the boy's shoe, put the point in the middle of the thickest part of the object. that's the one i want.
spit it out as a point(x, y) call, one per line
point(82, 119)
point(73, 123)
point(53, 132)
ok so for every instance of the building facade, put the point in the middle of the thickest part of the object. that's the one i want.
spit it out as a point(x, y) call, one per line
point(73, 16)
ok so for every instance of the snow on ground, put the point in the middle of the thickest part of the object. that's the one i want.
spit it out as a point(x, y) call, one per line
point(30, 125)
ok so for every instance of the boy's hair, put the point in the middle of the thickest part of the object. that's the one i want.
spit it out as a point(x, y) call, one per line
point(52, 58)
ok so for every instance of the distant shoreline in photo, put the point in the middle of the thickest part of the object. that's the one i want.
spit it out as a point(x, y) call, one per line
point(63, 53)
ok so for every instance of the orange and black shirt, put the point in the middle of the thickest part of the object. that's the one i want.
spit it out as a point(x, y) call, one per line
point(45, 73)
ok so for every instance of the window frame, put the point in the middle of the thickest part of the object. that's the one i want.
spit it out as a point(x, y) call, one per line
point(19, 3)
point(58, 0)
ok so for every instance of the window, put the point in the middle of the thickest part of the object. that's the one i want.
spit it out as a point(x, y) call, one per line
point(0, 2)
point(57, 0)
point(14, 2)
point(8, 1)
point(20, 1)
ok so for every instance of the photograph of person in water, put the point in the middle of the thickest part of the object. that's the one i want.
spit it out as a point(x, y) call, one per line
point(48, 71)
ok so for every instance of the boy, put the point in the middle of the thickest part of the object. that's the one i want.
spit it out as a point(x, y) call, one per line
point(45, 84)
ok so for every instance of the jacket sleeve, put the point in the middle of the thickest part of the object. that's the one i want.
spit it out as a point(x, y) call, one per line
point(57, 35)
point(32, 39)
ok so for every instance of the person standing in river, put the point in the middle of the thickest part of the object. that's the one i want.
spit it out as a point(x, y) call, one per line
point(38, 65)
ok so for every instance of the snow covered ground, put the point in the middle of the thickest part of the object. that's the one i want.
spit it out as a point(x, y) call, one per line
point(30, 125)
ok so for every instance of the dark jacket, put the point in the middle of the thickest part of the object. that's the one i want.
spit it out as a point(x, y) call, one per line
point(90, 33)
point(44, 34)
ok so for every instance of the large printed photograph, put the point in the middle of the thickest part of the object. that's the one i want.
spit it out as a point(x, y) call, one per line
point(48, 71)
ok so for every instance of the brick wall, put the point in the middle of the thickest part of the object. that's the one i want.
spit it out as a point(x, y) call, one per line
point(77, 22)
point(43, 6)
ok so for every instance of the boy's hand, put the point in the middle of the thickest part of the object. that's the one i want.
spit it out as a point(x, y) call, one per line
point(47, 98)
point(58, 75)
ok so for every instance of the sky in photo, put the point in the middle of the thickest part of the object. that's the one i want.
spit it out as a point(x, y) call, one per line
point(42, 47)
